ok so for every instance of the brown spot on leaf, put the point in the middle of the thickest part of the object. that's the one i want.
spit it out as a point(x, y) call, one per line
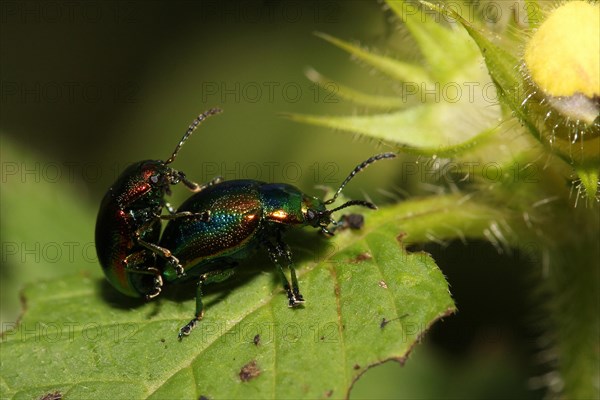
point(249, 371)
point(256, 340)
point(356, 366)
point(400, 237)
point(361, 257)
point(382, 284)
point(329, 393)
point(52, 396)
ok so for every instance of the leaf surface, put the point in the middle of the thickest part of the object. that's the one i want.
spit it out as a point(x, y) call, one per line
point(368, 301)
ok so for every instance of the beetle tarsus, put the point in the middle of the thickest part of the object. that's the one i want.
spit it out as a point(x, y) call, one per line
point(299, 298)
point(158, 283)
point(295, 303)
point(187, 329)
point(294, 298)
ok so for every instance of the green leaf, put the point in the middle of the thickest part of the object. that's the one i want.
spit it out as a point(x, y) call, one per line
point(423, 130)
point(80, 338)
point(435, 40)
point(398, 70)
point(353, 95)
point(442, 118)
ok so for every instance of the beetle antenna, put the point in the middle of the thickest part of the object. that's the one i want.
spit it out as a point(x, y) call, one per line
point(356, 170)
point(191, 130)
point(361, 203)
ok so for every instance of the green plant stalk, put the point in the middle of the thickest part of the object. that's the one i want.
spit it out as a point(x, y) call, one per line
point(574, 288)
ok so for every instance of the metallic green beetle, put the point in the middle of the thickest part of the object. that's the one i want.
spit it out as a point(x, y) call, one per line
point(242, 216)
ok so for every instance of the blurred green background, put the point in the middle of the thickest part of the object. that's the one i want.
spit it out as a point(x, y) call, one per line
point(88, 87)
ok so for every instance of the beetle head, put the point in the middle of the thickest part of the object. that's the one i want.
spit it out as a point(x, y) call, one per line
point(145, 183)
point(318, 216)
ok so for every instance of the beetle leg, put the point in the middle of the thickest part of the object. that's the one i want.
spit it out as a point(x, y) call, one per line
point(213, 181)
point(194, 187)
point(138, 258)
point(161, 251)
point(200, 216)
point(158, 283)
point(209, 277)
point(281, 256)
point(275, 255)
point(296, 290)
point(288, 258)
point(173, 214)
point(299, 297)
point(164, 253)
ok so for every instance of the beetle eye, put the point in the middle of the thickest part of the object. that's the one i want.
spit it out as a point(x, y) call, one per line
point(310, 214)
point(154, 179)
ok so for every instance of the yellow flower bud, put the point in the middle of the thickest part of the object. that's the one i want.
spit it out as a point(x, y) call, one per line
point(563, 56)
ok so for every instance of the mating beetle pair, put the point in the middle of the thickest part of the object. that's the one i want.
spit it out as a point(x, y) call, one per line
point(218, 226)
